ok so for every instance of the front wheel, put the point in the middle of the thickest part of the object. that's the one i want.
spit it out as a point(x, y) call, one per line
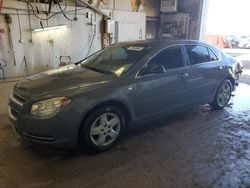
point(103, 128)
point(223, 95)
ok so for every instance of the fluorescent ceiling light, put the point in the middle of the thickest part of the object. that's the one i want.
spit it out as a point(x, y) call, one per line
point(49, 28)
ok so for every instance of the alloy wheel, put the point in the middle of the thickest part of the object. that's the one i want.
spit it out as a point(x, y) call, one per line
point(105, 129)
point(224, 94)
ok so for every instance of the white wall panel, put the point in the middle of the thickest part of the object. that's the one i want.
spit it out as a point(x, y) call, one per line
point(47, 46)
point(131, 25)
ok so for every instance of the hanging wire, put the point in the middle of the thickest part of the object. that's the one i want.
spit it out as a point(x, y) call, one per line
point(75, 18)
point(62, 11)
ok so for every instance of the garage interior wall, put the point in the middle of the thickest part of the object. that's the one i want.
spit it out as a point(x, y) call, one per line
point(28, 52)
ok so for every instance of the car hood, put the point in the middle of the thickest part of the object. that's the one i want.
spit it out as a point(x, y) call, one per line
point(62, 81)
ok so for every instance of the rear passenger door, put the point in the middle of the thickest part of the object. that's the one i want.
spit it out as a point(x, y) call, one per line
point(205, 73)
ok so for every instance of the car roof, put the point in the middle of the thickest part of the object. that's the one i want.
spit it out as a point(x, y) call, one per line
point(162, 42)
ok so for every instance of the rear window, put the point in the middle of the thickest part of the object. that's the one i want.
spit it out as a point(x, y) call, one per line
point(197, 54)
point(200, 54)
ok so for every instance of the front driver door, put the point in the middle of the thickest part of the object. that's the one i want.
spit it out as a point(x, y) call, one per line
point(161, 84)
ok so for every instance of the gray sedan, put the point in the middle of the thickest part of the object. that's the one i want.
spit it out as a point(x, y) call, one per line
point(92, 102)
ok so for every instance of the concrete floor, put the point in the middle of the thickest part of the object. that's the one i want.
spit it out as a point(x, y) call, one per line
point(200, 148)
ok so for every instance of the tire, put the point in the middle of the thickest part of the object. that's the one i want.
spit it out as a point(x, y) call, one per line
point(102, 129)
point(223, 95)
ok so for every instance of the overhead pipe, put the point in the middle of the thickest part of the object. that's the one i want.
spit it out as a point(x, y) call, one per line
point(93, 8)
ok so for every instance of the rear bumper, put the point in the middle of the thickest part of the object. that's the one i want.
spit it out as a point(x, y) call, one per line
point(236, 84)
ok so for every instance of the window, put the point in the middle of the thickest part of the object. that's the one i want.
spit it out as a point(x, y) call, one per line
point(116, 59)
point(213, 57)
point(170, 58)
point(197, 54)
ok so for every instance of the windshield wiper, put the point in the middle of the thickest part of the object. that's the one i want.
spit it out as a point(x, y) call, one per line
point(100, 70)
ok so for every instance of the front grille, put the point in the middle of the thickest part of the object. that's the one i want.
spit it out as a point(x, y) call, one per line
point(15, 104)
point(14, 112)
point(19, 98)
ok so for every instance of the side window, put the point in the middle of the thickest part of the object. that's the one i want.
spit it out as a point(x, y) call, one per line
point(197, 54)
point(170, 58)
point(213, 57)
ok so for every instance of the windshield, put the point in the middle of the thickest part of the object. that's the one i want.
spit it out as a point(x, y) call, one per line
point(116, 59)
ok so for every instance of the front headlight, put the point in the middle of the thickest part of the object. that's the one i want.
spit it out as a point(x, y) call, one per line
point(49, 107)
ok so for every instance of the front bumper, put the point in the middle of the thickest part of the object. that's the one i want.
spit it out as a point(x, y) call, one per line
point(59, 130)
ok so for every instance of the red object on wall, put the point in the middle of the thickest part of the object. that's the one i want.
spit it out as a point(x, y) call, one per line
point(2, 30)
point(1, 4)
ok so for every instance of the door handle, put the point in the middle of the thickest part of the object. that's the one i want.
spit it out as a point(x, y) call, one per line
point(183, 75)
point(219, 68)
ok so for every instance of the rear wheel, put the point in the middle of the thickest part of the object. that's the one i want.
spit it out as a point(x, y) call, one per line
point(223, 95)
point(103, 128)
